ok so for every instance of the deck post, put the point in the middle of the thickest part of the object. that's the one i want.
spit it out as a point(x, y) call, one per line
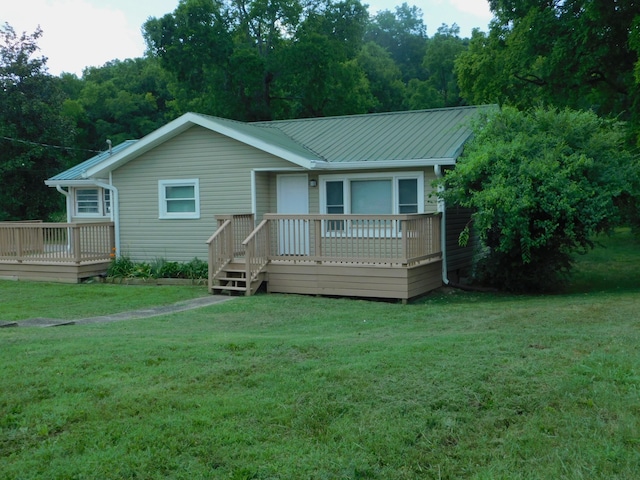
point(405, 242)
point(75, 230)
point(318, 238)
point(18, 241)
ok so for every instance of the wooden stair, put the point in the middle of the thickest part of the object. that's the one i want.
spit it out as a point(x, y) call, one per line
point(233, 280)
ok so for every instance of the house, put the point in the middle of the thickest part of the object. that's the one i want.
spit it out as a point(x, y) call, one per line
point(339, 205)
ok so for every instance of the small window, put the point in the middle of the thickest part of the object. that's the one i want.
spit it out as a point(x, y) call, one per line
point(87, 201)
point(179, 198)
point(107, 201)
point(408, 195)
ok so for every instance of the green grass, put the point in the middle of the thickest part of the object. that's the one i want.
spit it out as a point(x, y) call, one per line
point(456, 385)
point(22, 300)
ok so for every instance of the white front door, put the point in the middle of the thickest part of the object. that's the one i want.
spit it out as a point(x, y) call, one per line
point(293, 198)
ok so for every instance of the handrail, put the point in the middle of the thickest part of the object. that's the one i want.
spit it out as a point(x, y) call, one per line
point(256, 247)
point(218, 231)
point(219, 250)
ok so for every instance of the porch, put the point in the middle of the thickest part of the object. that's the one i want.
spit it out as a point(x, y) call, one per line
point(376, 256)
point(60, 252)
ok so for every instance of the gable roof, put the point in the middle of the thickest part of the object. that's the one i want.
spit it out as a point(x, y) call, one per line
point(76, 172)
point(382, 140)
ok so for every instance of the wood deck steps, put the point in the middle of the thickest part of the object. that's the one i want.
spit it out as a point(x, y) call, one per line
point(233, 279)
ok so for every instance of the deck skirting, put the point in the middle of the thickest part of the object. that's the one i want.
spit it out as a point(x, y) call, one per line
point(369, 281)
point(52, 271)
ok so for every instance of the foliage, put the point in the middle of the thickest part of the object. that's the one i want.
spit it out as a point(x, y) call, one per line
point(124, 267)
point(119, 101)
point(542, 184)
point(578, 53)
point(289, 387)
point(31, 128)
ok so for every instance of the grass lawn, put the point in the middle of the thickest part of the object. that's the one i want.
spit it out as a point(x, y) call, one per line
point(455, 385)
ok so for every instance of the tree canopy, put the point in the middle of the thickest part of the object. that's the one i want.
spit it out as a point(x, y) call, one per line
point(575, 53)
point(542, 183)
point(33, 133)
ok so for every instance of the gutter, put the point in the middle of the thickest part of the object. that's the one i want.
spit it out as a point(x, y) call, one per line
point(376, 164)
point(68, 201)
point(443, 226)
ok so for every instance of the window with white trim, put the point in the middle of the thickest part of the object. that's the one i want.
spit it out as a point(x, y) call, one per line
point(370, 194)
point(92, 202)
point(179, 198)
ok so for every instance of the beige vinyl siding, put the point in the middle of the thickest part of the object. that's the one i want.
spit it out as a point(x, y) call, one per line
point(264, 193)
point(222, 166)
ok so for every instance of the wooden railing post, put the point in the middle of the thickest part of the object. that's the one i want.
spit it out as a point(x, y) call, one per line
point(317, 238)
point(77, 254)
point(18, 242)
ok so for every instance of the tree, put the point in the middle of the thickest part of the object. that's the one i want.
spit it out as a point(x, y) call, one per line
point(442, 50)
point(32, 129)
point(404, 35)
point(542, 183)
point(575, 53)
point(119, 101)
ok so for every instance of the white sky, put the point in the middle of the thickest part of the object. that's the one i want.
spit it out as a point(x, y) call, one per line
point(81, 33)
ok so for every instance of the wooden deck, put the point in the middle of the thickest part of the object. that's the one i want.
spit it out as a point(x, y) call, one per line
point(56, 252)
point(387, 256)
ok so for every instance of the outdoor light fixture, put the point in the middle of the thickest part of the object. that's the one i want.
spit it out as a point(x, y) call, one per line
point(313, 183)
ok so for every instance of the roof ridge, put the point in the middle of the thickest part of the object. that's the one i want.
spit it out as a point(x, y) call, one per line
point(271, 123)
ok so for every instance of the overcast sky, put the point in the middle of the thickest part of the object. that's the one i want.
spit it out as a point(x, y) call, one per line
point(81, 33)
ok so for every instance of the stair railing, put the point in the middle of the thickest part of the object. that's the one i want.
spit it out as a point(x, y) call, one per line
point(220, 250)
point(257, 249)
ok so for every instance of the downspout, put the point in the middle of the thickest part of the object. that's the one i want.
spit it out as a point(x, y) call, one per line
point(443, 225)
point(68, 201)
point(115, 210)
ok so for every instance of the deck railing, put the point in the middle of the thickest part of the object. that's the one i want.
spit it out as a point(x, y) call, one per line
point(257, 250)
point(371, 239)
point(35, 241)
point(403, 240)
point(226, 242)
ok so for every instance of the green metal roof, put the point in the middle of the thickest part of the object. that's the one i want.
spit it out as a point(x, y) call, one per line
point(75, 173)
point(386, 139)
point(412, 135)
point(274, 136)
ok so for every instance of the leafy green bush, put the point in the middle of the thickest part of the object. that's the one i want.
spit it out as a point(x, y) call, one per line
point(124, 267)
point(195, 269)
point(121, 267)
point(542, 183)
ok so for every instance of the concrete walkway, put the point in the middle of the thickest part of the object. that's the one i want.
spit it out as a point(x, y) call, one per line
point(117, 317)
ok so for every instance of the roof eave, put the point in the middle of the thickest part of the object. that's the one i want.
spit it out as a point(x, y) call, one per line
point(178, 126)
point(384, 164)
point(71, 183)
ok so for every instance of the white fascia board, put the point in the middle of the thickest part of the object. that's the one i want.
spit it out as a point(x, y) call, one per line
point(178, 126)
point(143, 145)
point(385, 164)
point(242, 137)
point(73, 183)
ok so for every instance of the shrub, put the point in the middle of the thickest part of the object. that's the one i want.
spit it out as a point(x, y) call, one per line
point(124, 267)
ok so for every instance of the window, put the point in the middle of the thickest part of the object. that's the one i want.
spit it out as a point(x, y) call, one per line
point(372, 194)
point(92, 202)
point(179, 198)
point(369, 194)
point(87, 201)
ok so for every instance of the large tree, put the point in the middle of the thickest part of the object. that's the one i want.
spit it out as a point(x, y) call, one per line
point(542, 183)
point(33, 133)
point(574, 53)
